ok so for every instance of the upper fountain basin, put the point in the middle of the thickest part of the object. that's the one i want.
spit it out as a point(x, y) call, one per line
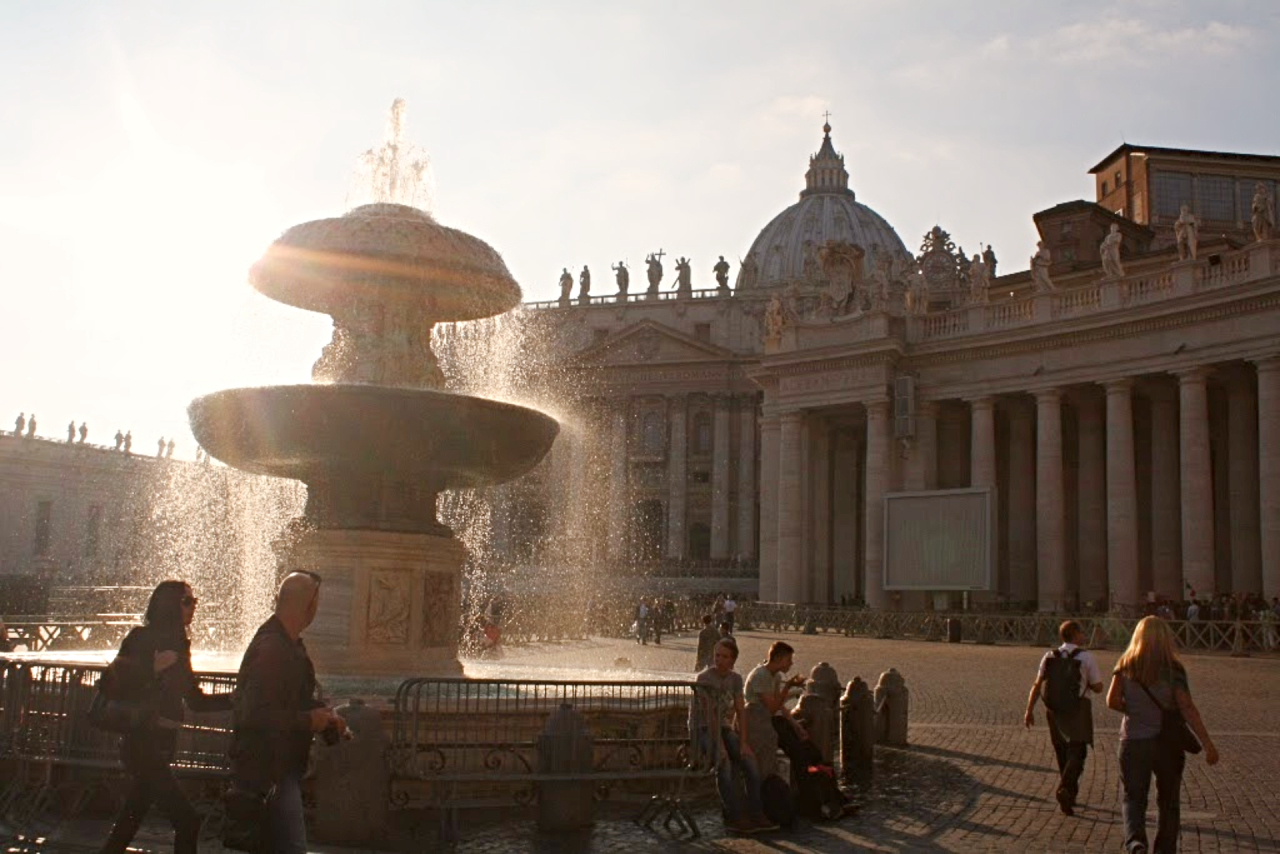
point(303, 431)
point(386, 254)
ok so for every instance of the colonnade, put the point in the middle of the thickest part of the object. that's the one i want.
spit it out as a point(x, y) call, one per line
point(1163, 483)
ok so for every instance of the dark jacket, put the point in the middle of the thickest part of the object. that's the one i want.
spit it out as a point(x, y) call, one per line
point(275, 693)
point(160, 695)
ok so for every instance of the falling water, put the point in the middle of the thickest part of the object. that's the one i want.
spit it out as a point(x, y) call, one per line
point(397, 171)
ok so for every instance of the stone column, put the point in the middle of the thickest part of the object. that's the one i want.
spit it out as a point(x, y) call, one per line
point(1051, 545)
point(1242, 473)
point(791, 507)
point(619, 507)
point(879, 447)
point(846, 522)
point(1197, 481)
point(1091, 497)
point(922, 468)
point(720, 478)
point(1166, 512)
point(747, 478)
point(677, 476)
point(817, 554)
point(1022, 583)
point(770, 440)
point(1122, 496)
point(982, 448)
point(1269, 472)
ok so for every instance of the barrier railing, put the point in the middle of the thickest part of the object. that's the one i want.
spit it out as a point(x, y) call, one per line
point(461, 743)
point(52, 756)
point(1240, 636)
point(99, 632)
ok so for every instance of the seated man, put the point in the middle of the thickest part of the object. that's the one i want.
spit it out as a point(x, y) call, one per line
point(719, 726)
point(766, 688)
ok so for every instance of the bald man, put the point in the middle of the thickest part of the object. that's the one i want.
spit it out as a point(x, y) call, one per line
point(278, 712)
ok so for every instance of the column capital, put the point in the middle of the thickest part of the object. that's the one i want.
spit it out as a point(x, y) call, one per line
point(1267, 364)
point(721, 399)
point(1120, 385)
point(1198, 375)
point(1049, 395)
point(877, 407)
point(986, 401)
point(792, 416)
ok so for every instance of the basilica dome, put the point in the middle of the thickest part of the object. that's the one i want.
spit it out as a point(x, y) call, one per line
point(786, 250)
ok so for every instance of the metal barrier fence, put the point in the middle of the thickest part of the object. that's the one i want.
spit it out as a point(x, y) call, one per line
point(1239, 636)
point(477, 743)
point(100, 631)
point(53, 757)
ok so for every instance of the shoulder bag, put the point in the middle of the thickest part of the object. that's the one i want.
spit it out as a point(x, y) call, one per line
point(1175, 735)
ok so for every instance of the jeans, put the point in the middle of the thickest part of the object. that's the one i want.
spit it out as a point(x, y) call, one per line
point(1070, 756)
point(288, 827)
point(151, 781)
point(726, 767)
point(1139, 760)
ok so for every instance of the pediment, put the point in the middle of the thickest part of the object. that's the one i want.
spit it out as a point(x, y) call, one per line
point(650, 343)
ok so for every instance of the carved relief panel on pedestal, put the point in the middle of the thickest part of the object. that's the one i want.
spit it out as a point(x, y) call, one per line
point(389, 604)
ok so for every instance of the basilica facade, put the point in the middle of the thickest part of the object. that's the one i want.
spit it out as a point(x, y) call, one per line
point(1114, 407)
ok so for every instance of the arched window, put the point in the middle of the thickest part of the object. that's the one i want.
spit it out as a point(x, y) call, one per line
point(651, 434)
point(702, 434)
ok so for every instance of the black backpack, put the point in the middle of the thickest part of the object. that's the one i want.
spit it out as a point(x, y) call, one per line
point(1062, 681)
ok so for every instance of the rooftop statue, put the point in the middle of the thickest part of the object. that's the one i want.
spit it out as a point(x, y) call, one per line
point(584, 285)
point(623, 277)
point(748, 274)
point(684, 277)
point(654, 263)
point(721, 269)
point(1040, 269)
point(1109, 249)
point(979, 280)
point(1187, 230)
point(566, 286)
point(989, 258)
point(1263, 212)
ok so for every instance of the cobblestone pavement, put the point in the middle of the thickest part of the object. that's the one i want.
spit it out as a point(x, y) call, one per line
point(973, 779)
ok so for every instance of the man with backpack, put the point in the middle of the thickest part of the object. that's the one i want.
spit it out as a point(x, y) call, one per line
point(1066, 676)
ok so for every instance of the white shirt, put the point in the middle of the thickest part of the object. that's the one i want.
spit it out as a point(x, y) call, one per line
point(730, 606)
point(1090, 673)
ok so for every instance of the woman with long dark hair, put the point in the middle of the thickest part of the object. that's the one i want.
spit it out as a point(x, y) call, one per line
point(153, 669)
point(1147, 680)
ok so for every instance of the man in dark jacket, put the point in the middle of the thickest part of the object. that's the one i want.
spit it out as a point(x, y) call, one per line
point(277, 712)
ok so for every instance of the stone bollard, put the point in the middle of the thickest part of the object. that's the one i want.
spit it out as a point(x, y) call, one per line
point(819, 709)
point(892, 699)
point(857, 731)
point(353, 780)
point(565, 747)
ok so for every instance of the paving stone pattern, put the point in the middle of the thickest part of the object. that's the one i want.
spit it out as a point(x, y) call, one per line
point(973, 779)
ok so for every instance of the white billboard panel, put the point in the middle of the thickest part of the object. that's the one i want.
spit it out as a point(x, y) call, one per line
point(939, 540)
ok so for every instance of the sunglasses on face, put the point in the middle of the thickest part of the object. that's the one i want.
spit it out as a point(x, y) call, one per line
point(189, 601)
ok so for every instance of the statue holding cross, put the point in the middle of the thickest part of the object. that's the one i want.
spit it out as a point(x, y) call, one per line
point(654, 262)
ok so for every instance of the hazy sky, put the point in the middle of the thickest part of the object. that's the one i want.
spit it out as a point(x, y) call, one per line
point(150, 151)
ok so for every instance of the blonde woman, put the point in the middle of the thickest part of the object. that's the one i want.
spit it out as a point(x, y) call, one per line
point(1148, 679)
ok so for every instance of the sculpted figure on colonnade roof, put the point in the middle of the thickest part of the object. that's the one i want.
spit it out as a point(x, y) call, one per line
point(623, 277)
point(1109, 249)
point(1263, 212)
point(566, 286)
point(989, 258)
point(1040, 268)
point(979, 280)
point(1187, 230)
point(684, 277)
point(584, 285)
point(721, 269)
point(654, 263)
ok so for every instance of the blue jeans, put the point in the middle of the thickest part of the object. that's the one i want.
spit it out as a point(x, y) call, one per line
point(288, 825)
point(1139, 760)
point(727, 767)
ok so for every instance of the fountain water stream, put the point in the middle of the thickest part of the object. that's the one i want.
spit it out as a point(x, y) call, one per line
point(377, 437)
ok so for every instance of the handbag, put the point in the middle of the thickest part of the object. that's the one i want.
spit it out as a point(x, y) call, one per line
point(1175, 735)
point(113, 714)
point(246, 823)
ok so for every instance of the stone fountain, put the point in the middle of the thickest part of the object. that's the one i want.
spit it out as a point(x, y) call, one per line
point(376, 437)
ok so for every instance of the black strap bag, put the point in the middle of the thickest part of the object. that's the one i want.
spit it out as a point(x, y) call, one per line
point(246, 824)
point(111, 711)
point(1174, 735)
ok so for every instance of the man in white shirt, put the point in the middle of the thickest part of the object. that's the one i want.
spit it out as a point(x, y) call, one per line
point(730, 609)
point(1067, 673)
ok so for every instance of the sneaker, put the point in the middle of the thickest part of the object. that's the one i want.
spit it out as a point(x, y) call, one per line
point(741, 826)
point(762, 823)
point(1066, 803)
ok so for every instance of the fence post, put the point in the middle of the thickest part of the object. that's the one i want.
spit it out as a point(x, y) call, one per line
point(565, 747)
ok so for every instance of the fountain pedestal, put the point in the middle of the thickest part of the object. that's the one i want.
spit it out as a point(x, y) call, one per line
point(389, 602)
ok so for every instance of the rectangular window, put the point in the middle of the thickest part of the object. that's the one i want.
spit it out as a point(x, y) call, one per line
point(1217, 197)
point(44, 524)
point(702, 331)
point(1067, 229)
point(93, 530)
point(1172, 190)
point(1119, 180)
point(1105, 189)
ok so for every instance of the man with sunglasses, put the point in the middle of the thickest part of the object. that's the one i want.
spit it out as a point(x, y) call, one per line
point(278, 712)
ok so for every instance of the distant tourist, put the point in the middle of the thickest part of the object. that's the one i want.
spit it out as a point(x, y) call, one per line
point(31, 426)
point(1065, 678)
point(1149, 682)
point(718, 725)
point(119, 439)
point(730, 611)
point(160, 448)
point(168, 451)
point(128, 442)
point(71, 432)
point(20, 424)
point(707, 640)
point(278, 712)
point(84, 432)
point(153, 672)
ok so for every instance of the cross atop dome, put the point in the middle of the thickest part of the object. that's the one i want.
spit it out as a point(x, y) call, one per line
point(826, 168)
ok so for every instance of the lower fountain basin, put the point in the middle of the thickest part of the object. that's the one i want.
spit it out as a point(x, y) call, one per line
point(373, 457)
